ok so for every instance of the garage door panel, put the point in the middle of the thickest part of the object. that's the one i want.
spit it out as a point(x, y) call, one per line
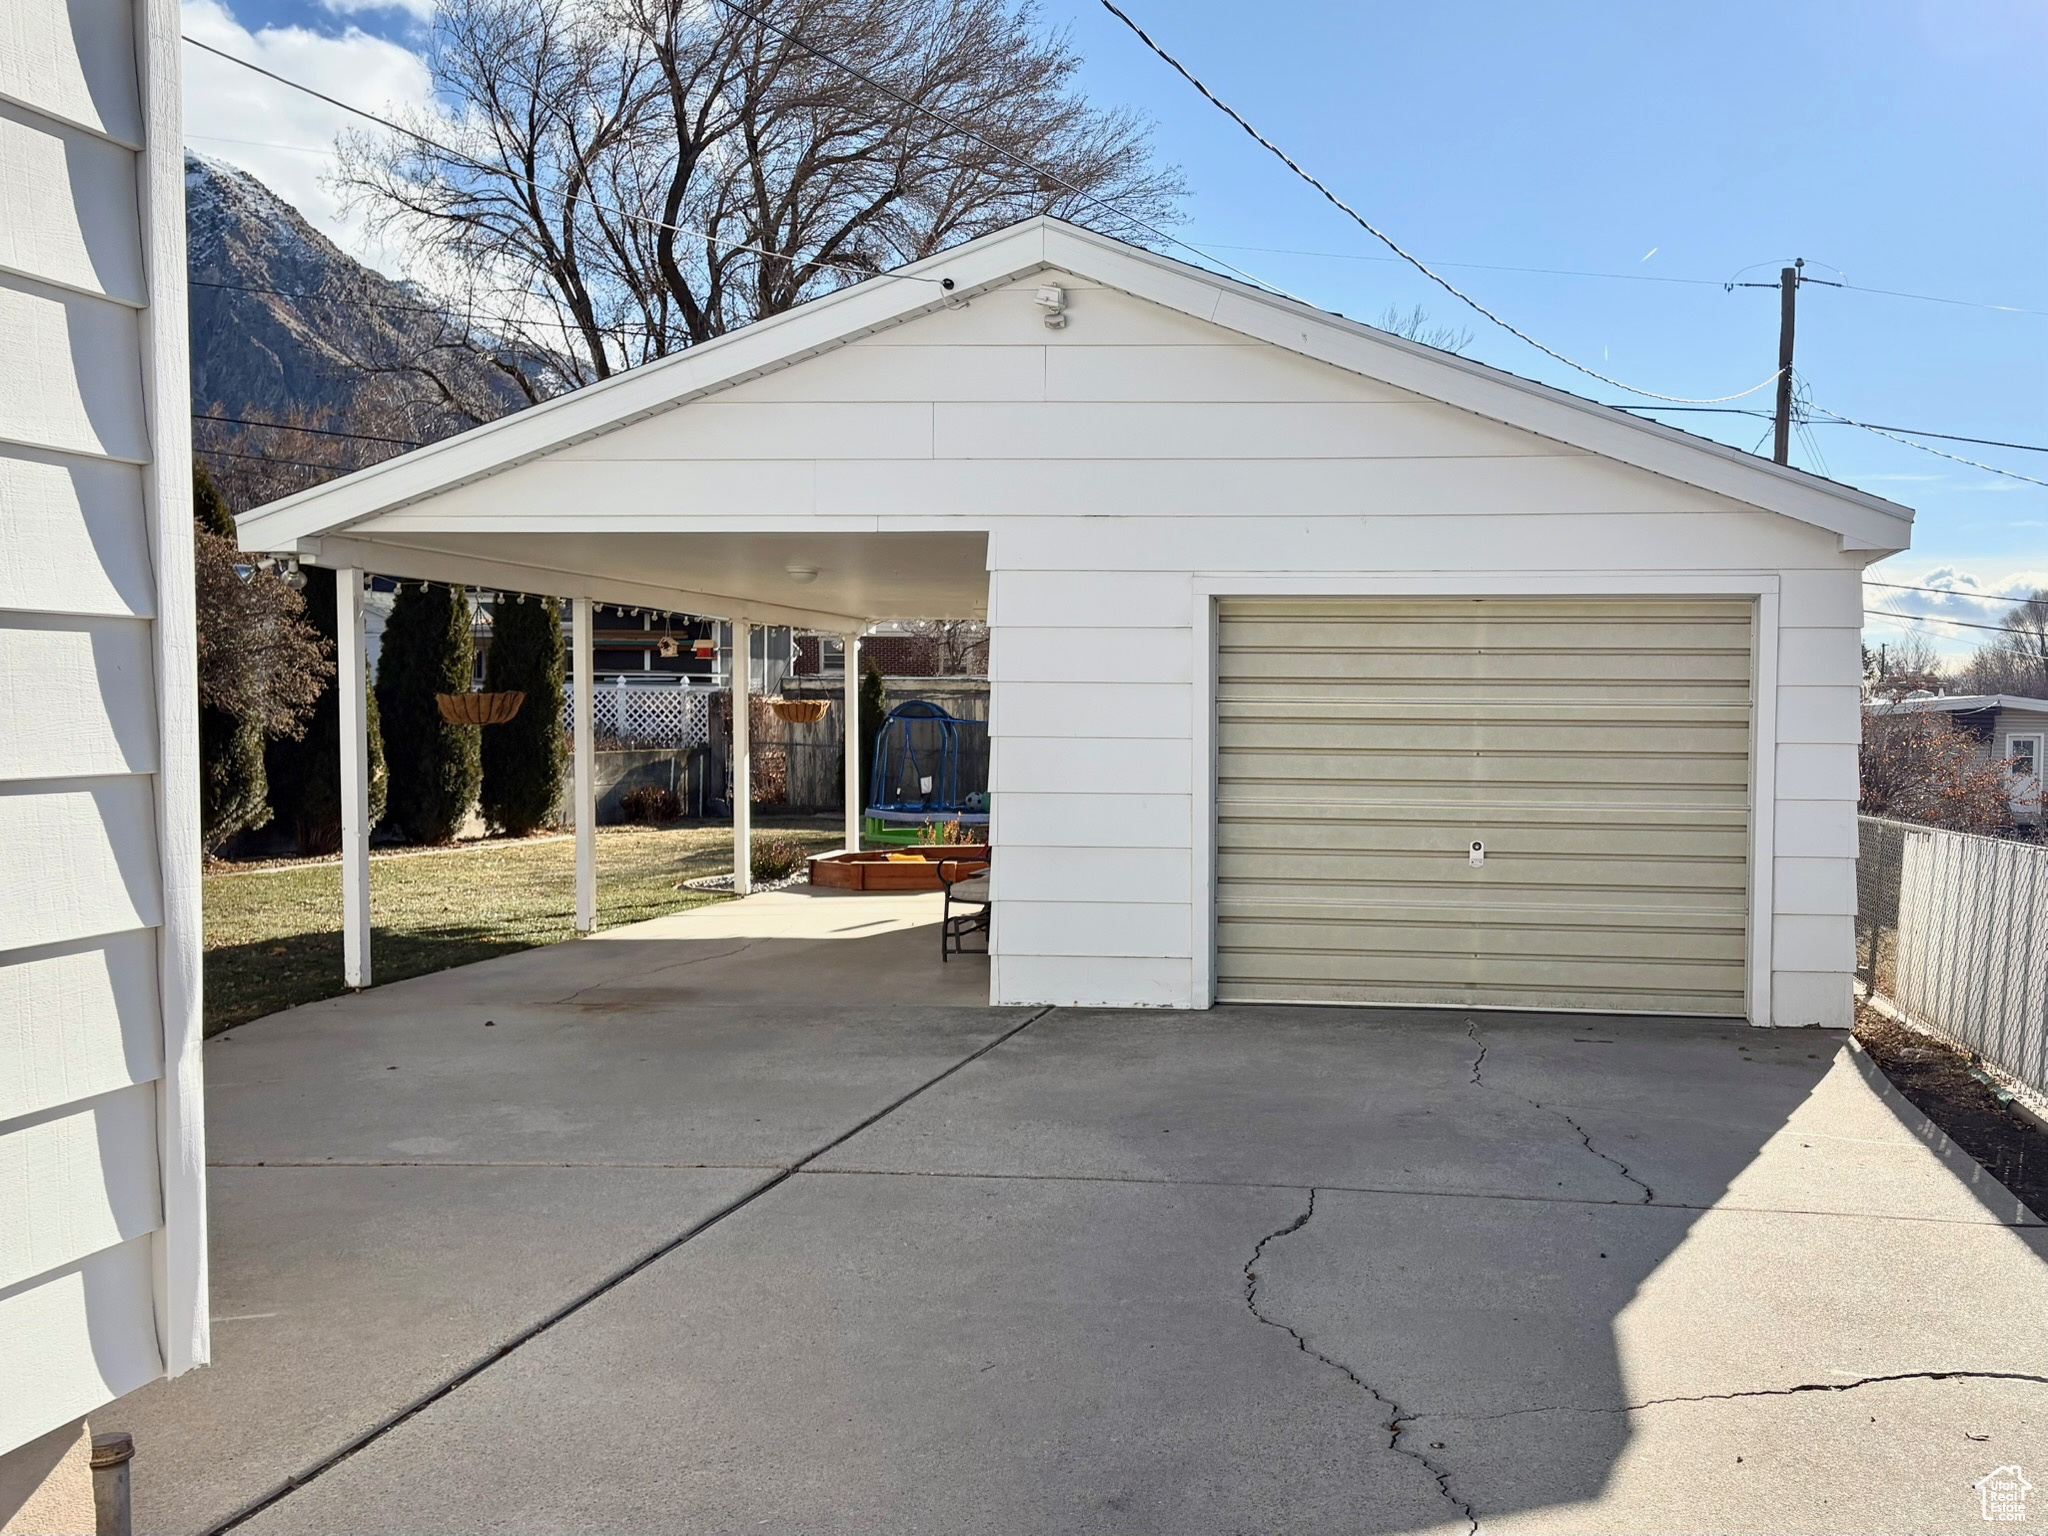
point(1600, 751)
point(1374, 938)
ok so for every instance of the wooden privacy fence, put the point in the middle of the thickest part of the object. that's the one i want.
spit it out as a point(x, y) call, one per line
point(1952, 931)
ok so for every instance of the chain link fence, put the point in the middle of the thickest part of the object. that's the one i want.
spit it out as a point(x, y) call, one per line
point(1952, 934)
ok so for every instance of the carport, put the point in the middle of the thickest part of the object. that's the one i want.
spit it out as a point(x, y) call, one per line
point(1325, 666)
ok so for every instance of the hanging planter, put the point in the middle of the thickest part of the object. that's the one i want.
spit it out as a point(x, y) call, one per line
point(479, 708)
point(800, 711)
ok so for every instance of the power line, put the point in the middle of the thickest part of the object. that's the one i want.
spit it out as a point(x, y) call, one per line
point(1941, 453)
point(1001, 149)
point(1933, 618)
point(1388, 241)
point(859, 273)
point(285, 426)
point(264, 458)
point(1835, 421)
point(1982, 597)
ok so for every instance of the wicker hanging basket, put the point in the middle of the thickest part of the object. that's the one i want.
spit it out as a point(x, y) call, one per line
point(800, 711)
point(479, 708)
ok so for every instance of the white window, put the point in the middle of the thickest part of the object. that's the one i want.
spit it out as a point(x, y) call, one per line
point(2023, 766)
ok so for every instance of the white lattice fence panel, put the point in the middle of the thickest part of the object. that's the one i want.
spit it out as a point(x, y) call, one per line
point(662, 717)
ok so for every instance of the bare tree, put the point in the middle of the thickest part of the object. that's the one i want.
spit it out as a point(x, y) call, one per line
point(637, 176)
point(1909, 664)
point(1921, 766)
point(1416, 325)
point(958, 647)
point(259, 661)
point(2015, 661)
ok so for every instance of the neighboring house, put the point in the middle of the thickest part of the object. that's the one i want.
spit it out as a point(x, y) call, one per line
point(2013, 730)
point(102, 1213)
point(1325, 666)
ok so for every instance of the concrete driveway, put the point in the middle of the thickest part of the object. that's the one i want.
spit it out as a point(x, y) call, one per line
point(756, 1219)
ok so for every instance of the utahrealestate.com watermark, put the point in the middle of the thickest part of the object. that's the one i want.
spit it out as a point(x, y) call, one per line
point(2004, 1492)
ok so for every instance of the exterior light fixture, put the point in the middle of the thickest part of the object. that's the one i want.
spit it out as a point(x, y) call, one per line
point(803, 575)
point(1054, 302)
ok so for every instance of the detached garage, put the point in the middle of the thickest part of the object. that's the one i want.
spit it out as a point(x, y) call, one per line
point(1326, 667)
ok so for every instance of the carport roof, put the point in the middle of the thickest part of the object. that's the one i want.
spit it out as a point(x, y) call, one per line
point(305, 522)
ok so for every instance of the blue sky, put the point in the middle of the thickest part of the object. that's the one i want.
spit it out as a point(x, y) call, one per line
point(1900, 143)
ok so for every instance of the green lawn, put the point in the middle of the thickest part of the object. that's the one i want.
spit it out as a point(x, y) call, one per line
point(273, 936)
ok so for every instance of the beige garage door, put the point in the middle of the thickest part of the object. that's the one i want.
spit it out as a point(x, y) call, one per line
point(1596, 751)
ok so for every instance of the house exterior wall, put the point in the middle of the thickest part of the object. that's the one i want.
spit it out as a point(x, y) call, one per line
point(102, 1281)
point(1136, 464)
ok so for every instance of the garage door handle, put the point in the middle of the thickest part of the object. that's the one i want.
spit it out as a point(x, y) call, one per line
point(1478, 855)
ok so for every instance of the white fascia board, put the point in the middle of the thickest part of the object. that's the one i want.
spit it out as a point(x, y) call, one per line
point(1862, 521)
point(420, 562)
point(648, 390)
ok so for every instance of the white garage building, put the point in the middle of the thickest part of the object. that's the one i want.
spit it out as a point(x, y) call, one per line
point(1326, 667)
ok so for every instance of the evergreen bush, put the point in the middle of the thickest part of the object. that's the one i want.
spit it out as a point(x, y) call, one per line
point(434, 767)
point(874, 706)
point(305, 775)
point(523, 759)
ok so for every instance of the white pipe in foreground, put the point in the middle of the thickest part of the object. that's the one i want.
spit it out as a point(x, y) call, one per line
point(351, 682)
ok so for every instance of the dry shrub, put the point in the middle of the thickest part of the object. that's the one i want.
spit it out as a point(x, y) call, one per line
point(776, 858)
point(649, 804)
point(1921, 766)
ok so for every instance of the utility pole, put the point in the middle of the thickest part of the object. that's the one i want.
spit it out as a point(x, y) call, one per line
point(1790, 280)
point(1788, 315)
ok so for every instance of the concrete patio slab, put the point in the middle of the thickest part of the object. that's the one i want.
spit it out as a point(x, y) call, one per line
point(1261, 1269)
point(341, 1294)
point(887, 1354)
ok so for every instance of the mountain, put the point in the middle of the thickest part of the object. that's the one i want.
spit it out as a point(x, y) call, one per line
point(288, 327)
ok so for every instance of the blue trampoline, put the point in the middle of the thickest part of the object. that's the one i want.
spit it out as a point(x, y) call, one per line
point(916, 772)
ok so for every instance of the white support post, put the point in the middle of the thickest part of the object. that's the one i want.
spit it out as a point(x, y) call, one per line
point(850, 732)
point(351, 682)
point(583, 625)
point(742, 758)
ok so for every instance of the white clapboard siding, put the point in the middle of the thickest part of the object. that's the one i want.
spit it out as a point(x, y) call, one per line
point(1817, 771)
point(1147, 765)
point(1241, 371)
point(1089, 820)
point(1819, 887)
point(89, 242)
point(1822, 599)
point(73, 1341)
point(1078, 927)
point(1142, 875)
point(102, 1186)
point(1188, 430)
point(1091, 601)
point(1370, 543)
point(77, 697)
point(73, 60)
point(1027, 654)
point(863, 372)
point(1092, 981)
point(1805, 942)
point(73, 380)
point(718, 429)
point(72, 539)
point(76, 1180)
point(77, 1020)
point(1119, 710)
point(81, 860)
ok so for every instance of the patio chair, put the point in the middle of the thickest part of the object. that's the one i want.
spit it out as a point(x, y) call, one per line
point(966, 886)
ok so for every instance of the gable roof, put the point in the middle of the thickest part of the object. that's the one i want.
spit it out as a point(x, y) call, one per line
point(1861, 520)
point(1968, 703)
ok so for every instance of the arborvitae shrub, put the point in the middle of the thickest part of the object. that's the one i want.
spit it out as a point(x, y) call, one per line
point(523, 759)
point(434, 766)
point(305, 775)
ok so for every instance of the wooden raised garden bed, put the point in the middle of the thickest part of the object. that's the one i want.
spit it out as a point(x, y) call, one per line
point(890, 869)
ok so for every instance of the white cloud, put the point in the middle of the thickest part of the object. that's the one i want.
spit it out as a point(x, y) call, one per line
point(284, 137)
point(1963, 598)
point(421, 11)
